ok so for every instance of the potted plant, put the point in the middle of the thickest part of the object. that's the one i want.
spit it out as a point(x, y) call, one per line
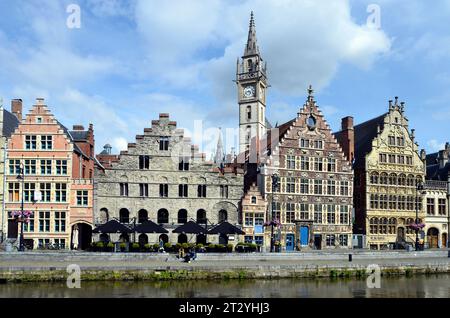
point(123, 246)
point(200, 248)
point(240, 247)
point(155, 247)
point(147, 247)
point(135, 247)
point(220, 248)
point(100, 246)
point(229, 248)
point(168, 247)
point(110, 247)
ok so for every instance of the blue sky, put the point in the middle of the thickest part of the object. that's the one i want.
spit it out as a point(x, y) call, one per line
point(131, 60)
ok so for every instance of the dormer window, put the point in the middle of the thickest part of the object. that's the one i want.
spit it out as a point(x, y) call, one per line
point(253, 200)
point(39, 120)
point(311, 122)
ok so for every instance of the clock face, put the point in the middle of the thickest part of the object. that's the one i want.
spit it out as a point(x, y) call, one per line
point(249, 91)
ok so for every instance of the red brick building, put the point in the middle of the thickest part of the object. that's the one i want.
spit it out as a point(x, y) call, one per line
point(57, 185)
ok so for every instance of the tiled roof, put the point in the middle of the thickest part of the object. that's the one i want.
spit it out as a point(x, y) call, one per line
point(10, 123)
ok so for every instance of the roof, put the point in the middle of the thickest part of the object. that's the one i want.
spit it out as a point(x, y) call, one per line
point(434, 172)
point(364, 135)
point(79, 135)
point(10, 123)
point(69, 134)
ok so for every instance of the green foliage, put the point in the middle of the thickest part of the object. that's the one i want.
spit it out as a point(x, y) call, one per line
point(135, 246)
point(185, 246)
point(229, 248)
point(100, 245)
point(167, 246)
point(110, 245)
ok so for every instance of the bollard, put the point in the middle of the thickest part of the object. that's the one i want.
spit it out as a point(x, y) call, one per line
point(350, 257)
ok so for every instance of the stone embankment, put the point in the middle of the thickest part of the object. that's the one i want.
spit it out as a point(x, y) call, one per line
point(52, 266)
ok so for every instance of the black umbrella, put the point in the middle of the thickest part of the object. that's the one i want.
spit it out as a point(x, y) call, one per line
point(112, 226)
point(225, 228)
point(150, 227)
point(190, 228)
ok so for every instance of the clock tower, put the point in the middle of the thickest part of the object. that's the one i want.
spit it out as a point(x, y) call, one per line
point(251, 82)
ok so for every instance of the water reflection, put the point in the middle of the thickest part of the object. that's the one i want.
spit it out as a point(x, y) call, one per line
point(419, 286)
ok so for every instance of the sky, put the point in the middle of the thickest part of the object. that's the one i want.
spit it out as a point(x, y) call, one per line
point(123, 62)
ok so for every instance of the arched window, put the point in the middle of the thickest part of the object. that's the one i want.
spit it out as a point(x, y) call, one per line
point(104, 215)
point(164, 238)
point(402, 179)
point(383, 178)
point(201, 216)
point(142, 216)
point(250, 65)
point(393, 179)
point(373, 226)
point(163, 216)
point(223, 216)
point(253, 200)
point(410, 181)
point(143, 239)
point(374, 178)
point(124, 216)
point(392, 225)
point(182, 216)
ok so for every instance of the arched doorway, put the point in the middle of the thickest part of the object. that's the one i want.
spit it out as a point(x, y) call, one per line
point(81, 237)
point(201, 239)
point(163, 216)
point(142, 216)
point(164, 238)
point(124, 237)
point(143, 239)
point(400, 234)
point(104, 237)
point(182, 238)
point(444, 240)
point(223, 239)
point(124, 216)
point(433, 237)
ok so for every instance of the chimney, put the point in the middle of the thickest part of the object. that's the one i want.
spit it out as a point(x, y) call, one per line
point(443, 156)
point(347, 138)
point(16, 108)
point(78, 128)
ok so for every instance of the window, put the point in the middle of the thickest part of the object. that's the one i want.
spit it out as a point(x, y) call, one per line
point(163, 216)
point(391, 140)
point(46, 189)
point(318, 164)
point(182, 216)
point(124, 216)
point(290, 212)
point(304, 211)
point(61, 192)
point(409, 160)
point(29, 227)
point(60, 221)
point(29, 192)
point(253, 200)
point(43, 243)
point(44, 221)
point(223, 216)
point(249, 112)
point(330, 239)
point(123, 189)
point(331, 214)
point(61, 243)
point(304, 143)
point(343, 215)
point(259, 218)
point(259, 240)
point(318, 144)
point(46, 167)
point(13, 191)
point(430, 206)
point(304, 163)
point(391, 158)
point(201, 216)
point(183, 164)
point(383, 158)
point(224, 191)
point(144, 162)
point(343, 240)
point(317, 213)
point(201, 191)
point(304, 186)
point(331, 187)
point(82, 198)
point(142, 216)
point(30, 142)
point(46, 142)
point(276, 210)
point(344, 188)
point(290, 185)
point(317, 186)
point(30, 166)
point(248, 239)
point(14, 167)
point(143, 189)
point(290, 162)
point(441, 207)
point(401, 160)
point(248, 220)
point(183, 190)
point(400, 141)
point(61, 167)
point(163, 190)
point(331, 166)
point(163, 143)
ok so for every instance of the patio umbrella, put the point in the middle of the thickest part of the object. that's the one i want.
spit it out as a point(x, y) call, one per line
point(150, 227)
point(112, 226)
point(225, 228)
point(190, 228)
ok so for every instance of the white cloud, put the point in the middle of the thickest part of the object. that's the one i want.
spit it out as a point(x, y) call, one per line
point(119, 144)
point(435, 145)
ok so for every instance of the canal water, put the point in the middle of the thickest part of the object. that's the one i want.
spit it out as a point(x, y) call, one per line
point(417, 287)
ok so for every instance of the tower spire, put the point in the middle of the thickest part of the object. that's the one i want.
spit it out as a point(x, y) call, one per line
point(219, 157)
point(252, 45)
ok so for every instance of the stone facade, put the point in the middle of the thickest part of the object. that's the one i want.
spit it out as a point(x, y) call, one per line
point(436, 218)
point(254, 212)
point(313, 201)
point(388, 169)
point(57, 185)
point(163, 177)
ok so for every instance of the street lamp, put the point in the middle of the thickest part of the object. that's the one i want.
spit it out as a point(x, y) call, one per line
point(21, 176)
point(419, 189)
point(275, 184)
